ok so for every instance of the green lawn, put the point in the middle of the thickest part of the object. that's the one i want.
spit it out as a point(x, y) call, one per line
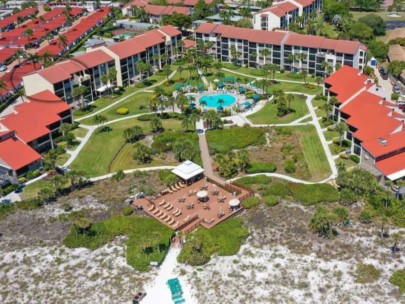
point(357, 15)
point(313, 152)
point(31, 190)
point(223, 141)
point(80, 132)
point(62, 158)
point(268, 114)
point(329, 135)
point(99, 151)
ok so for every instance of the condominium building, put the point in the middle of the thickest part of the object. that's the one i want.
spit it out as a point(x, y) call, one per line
point(31, 129)
point(376, 125)
point(88, 69)
point(286, 49)
point(280, 14)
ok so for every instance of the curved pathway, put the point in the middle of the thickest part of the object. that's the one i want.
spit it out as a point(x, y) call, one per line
point(285, 177)
point(98, 178)
point(126, 97)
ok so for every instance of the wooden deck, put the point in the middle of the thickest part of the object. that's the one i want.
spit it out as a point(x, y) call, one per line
point(182, 210)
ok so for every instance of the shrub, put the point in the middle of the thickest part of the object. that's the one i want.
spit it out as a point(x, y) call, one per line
point(224, 239)
point(140, 251)
point(122, 111)
point(355, 158)
point(271, 200)
point(394, 96)
point(366, 273)
point(343, 156)
point(252, 180)
point(261, 167)
point(119, 175)
point(313, 194)
point(251, 202)
point(289, 166)
point(398, 278)
point(310, 86)
point(22, 179)
point(127, 210)
point(33, 174)
point(365, 217)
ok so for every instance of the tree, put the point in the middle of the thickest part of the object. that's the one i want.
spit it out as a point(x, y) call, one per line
point(81, 224)
point(58, 182)
point(78, 93)
point(290, 98)
point(322, 222)
point(181, 101)
point(184, 150)
point(75, 177)
point(142, 154)
point(100, 120)
point(361, 31)
point(112, 77)
point(319, 81)
point(29, 32)
point(304, 73)
point(341, 128)
point(51, 158)
point(245, 23)
point(243, 160)
point(46, 194)
point(342, 215)
point(397, 237)
point(375, 22)
point(186, 123)
point(396, 67)
point(132, 134)
point(378, 48)
point(167, 71)
point(63, 41)
point(234, 54)
point(34, 59)
point(265, 53)
point(281, 106)
point(65, 128)
point(46, 58)
point(156, 124)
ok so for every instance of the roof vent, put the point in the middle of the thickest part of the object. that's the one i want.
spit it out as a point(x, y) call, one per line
point(382, 141)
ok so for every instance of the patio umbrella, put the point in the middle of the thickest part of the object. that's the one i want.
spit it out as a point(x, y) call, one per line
point(229, 79)
point(234, 202)
point(242, 90)
point(178, 86)
point(202, 194)
point(200, 87)
point(256, 96)
point(220, 84)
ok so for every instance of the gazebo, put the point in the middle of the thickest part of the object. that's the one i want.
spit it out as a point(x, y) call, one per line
point(189, 171)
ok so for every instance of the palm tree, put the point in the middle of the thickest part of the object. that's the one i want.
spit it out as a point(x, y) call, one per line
point(180, 70)
point(29, 32)
point(186, 122)
point(181, 101)
point(341, 128)
point(141, 67)
point(63, 41)
point(203, 103)
point(319, 81)
point(265, 53)
point(48, 37)
point(34, 59)
point(324, 66)
point(290, 98)
point(79, 92)
point(64, 129)
point(304, 73)
point(20, 53)
point(46, 58)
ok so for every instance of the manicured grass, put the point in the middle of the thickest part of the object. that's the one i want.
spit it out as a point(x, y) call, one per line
point(348, 162)
point(103, 102)
point(62, 158)
point(329, 135)
point(357, 15)
point(148, 240)
point(223, 141)
point(268, 114)
point(224, 239)
point(99, 151)
point(31, 190)
point(313, 152)
point(80, 132)
point(139, 103)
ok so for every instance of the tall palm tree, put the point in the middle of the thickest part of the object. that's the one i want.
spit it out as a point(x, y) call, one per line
point(46, 58)
point(265, 53)
point(62, 41)
point(34, 59)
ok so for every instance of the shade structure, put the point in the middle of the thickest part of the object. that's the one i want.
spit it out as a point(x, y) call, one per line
point(229, 79)
point(187, 170)
point(200, 87)
point(202, 194)
point(220, 84)
point(178, 86)
point(234, 202)
point(242, 90)
point(256, 96)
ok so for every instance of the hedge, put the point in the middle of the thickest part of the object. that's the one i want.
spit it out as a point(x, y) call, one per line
point(251, 202)
point(355, 158)
point(313, 194)
point(289, 166)
point(271, 200)
point(122, 111)
point(261, 167)
point(278, 189)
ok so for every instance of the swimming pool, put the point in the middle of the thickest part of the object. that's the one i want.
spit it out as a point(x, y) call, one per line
point(212, 101)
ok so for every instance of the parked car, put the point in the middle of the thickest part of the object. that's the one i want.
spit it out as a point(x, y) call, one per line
point(3, 68)
point(200, 131)
point(396, 89)
point(138, 297)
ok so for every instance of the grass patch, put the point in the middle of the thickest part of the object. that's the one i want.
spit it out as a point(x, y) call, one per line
point(99, 151)
point(148, 240)
point(271, 200)
point(226, 140)
point(398, 279)
point(313, 194)
point(383, 14)
point(224, 239)
point(314, 154)
point(268, 114)
point(329, 135)
point(80, 132)
point(31, 191)
point(253, 180)
point(366, 273)
point(261, 167)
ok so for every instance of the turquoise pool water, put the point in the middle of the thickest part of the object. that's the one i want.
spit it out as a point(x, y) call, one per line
point(212, 100)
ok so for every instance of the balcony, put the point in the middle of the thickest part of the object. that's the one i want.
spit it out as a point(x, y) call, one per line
point(79, 79)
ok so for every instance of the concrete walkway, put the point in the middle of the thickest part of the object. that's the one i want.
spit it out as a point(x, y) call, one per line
point(126, 97)
point(109, 175)
point(158, 292)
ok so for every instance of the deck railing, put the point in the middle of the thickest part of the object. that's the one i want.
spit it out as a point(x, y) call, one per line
point(188, 222)
point(227, 187)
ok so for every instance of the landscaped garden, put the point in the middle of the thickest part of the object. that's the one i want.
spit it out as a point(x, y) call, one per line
point(297, 108)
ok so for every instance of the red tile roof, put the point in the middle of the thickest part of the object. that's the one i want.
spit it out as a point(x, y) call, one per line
point(189, 44)
point(304, 3)
point(392, 165)
point(192, 3)
point(6, 54)
point(394, 142)
point(280, 9)
point(206, 28)
point(31, 118)
point(346, 82)
point(170, 30)
point(369, 117)
point(16, 154)
point(157, 10)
